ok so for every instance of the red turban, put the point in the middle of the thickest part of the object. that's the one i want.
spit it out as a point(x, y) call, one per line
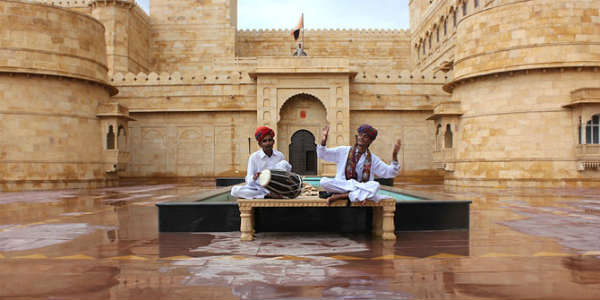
point(368, 130)
point(263, 131)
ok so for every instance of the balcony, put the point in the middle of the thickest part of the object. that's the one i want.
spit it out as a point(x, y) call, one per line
point(444, 159)
point(588, 156)
point(116, 159)
point(588, 151)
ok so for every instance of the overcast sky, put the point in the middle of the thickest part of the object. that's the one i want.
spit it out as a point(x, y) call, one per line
point(326, 14)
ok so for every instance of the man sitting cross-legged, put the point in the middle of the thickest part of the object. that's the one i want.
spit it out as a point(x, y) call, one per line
point(356, 167)
point(266, 158)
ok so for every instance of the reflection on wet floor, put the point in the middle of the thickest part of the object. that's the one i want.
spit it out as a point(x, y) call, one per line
point(104, 244)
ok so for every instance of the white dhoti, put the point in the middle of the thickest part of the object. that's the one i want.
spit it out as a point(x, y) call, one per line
point(252, 190)
point(357, 191)
point(249, 191)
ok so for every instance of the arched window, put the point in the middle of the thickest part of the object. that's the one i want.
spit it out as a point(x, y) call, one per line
point(437, 35)
point(110, 138)
point(438, 139)
point(429, 38)
point(464, 6)
point(580, 131)
point(454, 18)
point(121, 138)
point(424, 48)
point(448, 137)
point(592, 130)
point(445, 27)
point(476, 3)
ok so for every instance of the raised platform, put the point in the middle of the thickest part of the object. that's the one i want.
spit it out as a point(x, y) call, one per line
point(217, 211)
point(383, 212)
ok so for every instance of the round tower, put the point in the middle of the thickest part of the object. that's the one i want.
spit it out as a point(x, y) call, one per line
point(518, 68)
point(53, 78)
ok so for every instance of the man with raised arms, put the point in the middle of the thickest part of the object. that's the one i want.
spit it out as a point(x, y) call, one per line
point(356, 167)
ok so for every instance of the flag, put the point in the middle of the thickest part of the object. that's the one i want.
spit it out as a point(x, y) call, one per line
point(296, 31)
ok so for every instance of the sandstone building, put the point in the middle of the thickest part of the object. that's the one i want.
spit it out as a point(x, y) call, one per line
point(482, 92)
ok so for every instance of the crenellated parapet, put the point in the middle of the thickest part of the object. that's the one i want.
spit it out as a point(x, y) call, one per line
point(354, 43)
point(245, 77)
point(66, 4)
point(320, 31)
point(177, 78)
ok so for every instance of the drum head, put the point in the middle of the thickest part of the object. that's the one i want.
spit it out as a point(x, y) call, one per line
point(264, 177)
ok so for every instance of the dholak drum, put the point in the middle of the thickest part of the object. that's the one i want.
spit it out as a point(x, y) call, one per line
point(284, 183)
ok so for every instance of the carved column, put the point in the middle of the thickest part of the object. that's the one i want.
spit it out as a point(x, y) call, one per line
point(246, 225)
point(389, 209)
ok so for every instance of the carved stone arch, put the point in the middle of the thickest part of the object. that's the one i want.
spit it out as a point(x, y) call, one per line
point(110, 137)
point(448, 137)
point(301, 94)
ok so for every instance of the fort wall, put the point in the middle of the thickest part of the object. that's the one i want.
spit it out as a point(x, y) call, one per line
point(52, 78)
point(206, 99)
point(42, 39)
point(517, 35)
point(515, 69)
point(182, 144)
point(514, 130)
point(188, 36)
point(127, 35)
point(389, 46)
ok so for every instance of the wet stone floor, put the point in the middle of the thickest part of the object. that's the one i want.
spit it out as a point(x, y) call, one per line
point(104, 244)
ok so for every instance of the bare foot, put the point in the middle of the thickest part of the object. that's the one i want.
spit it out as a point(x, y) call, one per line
point(335, 197)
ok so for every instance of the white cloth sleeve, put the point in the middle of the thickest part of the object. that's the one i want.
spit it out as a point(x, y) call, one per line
point(283, 165)
point(251, 171)
point(382, 170)
point(324, 153)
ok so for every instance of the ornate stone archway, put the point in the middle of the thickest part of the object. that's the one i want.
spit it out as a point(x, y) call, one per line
point(300, 121)
point(279, 80)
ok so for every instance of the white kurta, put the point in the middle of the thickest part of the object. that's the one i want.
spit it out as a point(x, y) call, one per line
point(358, 191)
point(258, 162)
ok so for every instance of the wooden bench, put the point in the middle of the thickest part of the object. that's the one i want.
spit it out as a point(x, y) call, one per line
point(383, 213)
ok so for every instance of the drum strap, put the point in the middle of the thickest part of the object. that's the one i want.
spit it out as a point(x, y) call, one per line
point(352, 160)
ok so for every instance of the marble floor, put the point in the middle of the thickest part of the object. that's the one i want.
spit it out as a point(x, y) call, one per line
point(104, 244)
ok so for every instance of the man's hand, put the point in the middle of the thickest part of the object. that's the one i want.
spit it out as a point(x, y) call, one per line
point(324, 135)
point(397, 147)
point(256, 176)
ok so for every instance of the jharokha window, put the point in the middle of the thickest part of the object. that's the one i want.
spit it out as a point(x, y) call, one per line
point(110, 138)
point(448, 137)
point(592, 130)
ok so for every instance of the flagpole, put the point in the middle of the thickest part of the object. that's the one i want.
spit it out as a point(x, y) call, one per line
point(302, 31)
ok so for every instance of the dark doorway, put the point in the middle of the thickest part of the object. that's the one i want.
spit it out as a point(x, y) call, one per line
point(303, 153)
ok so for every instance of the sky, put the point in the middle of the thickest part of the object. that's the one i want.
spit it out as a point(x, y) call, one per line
point(320, 14)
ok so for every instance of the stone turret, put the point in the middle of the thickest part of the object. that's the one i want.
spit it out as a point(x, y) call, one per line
point(516, 66)
point(127, 35)
point(189, 35)
point(53, 76)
